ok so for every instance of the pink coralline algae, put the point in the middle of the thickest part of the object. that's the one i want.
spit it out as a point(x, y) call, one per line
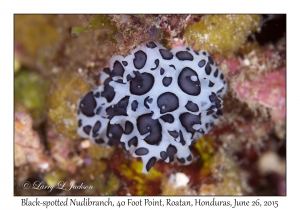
point(63, 151)
point(269, 91)
point(28, 148)
point(233, 65)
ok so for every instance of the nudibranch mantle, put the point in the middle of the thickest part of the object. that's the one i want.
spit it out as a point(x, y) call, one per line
point(155, 101)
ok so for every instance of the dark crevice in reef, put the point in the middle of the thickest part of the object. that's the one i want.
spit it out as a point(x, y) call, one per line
point(272, 29)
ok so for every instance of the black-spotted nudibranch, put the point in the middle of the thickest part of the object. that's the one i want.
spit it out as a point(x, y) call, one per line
point(155, 101)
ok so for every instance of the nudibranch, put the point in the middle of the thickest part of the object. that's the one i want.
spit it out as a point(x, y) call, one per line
point(155, 101)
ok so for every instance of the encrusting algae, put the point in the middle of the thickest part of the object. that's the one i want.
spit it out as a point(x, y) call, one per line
point(221, 33)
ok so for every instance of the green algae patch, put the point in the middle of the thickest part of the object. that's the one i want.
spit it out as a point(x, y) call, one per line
point(206, 150)
point(98, 152)
point(52, 178)
point(17, 66)
point(221, 33)
point(98, 22)
point(95, 173)
point(30, 92)
point(62, 102)
point(111, 186)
